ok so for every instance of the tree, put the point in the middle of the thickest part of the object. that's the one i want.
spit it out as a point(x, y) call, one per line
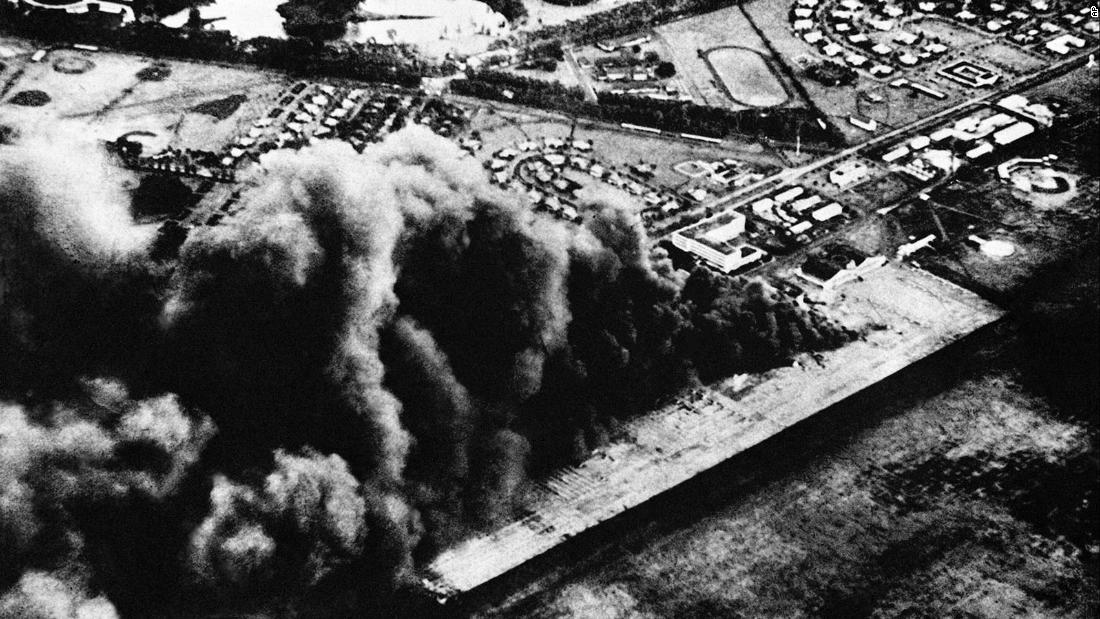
point(317, 19)
point(665, 70)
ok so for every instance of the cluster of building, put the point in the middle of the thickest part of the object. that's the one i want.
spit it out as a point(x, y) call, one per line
point(797, 215)
point(869, 36)
point(307, 112)
point(718, 242)
point(720, 176)
point(1028, 23)
point(732, 240)
point(179, 162)
point(624, 42)
point(837, 264)
point(625, 70)
point(863, 37)
point(939, 153)
point(549, 171)
point(634, 74)
point(971, 138)
point(923, 158)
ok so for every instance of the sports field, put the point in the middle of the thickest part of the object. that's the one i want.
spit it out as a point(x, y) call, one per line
point(746, 76)
point(687, 43)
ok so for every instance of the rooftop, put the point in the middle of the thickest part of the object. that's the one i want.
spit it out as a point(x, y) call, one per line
point(718, 232)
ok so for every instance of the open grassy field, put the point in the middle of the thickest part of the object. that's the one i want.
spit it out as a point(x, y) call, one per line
point(109, 99)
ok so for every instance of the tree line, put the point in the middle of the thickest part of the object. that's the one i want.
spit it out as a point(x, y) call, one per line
point(675, 116)
point(627, 19)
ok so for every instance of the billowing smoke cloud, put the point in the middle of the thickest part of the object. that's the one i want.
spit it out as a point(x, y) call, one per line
point(387, 345)
point(66, 470)
point(42, 596)
point(72, 268)
point(307, 519)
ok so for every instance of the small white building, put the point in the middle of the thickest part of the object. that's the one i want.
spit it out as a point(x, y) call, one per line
point(979, 151)
point(906, 38)
point(1012, 133)
point(919, 142)
point(827, 212)
point(895, 154)
point(856, 60)
point(788, 195)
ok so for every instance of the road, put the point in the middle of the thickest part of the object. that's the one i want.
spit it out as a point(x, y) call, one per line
point(790, 175)
point(582, 77)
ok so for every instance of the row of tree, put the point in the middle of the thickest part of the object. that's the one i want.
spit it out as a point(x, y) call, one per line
point(681, 117)
point(627, 19)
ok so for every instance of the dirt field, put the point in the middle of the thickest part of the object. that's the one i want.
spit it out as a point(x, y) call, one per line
point(109, 100)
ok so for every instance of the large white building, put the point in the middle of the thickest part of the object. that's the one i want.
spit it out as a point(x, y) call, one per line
point(715, 240)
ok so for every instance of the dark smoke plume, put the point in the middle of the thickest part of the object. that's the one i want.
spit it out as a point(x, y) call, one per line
point(388, 347)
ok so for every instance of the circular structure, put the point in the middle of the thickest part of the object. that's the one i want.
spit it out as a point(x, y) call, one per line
point(998, 249)
point(73, 65)
point(30, 98)
point(746, 76)
point(1041, 180)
